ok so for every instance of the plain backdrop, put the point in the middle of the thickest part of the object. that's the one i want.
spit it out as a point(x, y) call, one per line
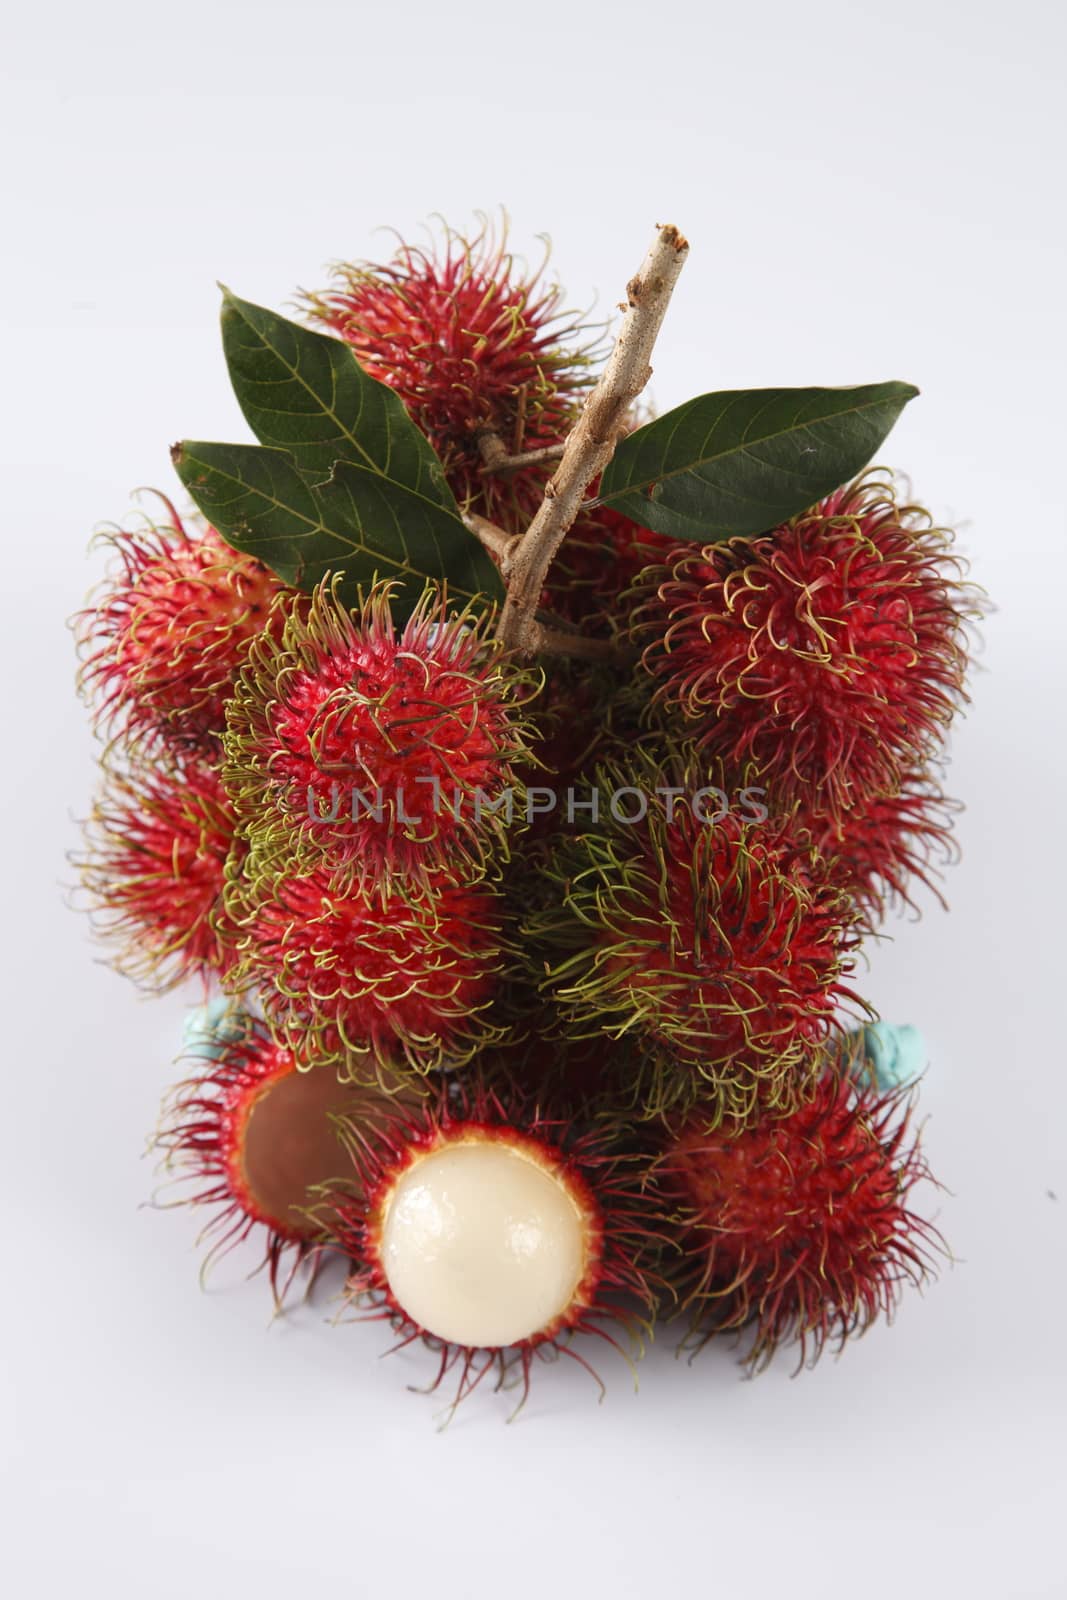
point(872, 191)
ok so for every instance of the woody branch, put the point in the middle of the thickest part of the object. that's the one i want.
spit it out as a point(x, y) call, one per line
point(591, 443)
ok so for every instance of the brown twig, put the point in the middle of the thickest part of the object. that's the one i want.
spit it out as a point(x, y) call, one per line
point(578, 646)
point(499, 544)
point(497, 458)
point(591, 443)
point(552, 639)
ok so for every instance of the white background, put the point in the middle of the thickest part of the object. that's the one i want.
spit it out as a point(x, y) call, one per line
point(872, 191)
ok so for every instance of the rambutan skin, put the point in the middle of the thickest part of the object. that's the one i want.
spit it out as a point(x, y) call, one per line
point(622, 1281)
point(714, 937)
point(831, 652)
point(164, 642)
point(471, 344)
point(376, 750)
point(154, 871)
point(799, 1228)
point(363, 973)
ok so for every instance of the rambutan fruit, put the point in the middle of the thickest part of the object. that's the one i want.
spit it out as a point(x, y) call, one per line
point(494, 1233)
point(880, 849)
point(154, 871)
point(472, 344)
point(831, 652)
point(799, 1228)
point(375, 749)
point(163, 644)
point(253, 1135)
point(358, 972)
point(687, 918)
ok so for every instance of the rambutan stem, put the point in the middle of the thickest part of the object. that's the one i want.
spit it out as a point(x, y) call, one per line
point(578, 646)
point(497, 458)
point(551, 640)
point(591, 443)
point(499, 544)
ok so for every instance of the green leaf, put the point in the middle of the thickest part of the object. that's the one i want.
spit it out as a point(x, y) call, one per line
point(342, 479)
point(255, 498)
point(745, 460)
point(306, 393)
point(403, 535)
point(358, 522)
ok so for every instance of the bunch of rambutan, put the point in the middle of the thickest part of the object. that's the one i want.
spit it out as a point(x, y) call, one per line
point(518, 780)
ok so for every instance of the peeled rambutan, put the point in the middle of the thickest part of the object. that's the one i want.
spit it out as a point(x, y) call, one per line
point(252, 1135)
point(831, 652)
point(799, 1228)
point(154, 871)
point(688, 919)
point(366, 974)
point(471, 344)
point(880, 849)
point(373, 749)
point(494, 1233)
point(164, 641)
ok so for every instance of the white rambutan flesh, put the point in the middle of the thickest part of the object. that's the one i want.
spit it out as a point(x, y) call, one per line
point(482, 1245)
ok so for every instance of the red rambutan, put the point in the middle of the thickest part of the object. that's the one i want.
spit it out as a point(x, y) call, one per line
point(252, 1134)
point(471, 344)
point(690, 920)
point(154, 871)
point(365, 973)
point(372, 749)
point(877, 850)
point(494, 1233)
point(164, 641)
point(799, 1226)
point(830, 652)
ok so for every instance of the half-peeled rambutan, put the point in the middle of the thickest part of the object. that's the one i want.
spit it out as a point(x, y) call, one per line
point(163, 643)
point(371, 749)
point(154, 871)
point(830, 653)
point(798, 1229)
point(687, 919)
point(251, 1135)
point(368, 974)
point(494, 1233)
point(472, 345)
